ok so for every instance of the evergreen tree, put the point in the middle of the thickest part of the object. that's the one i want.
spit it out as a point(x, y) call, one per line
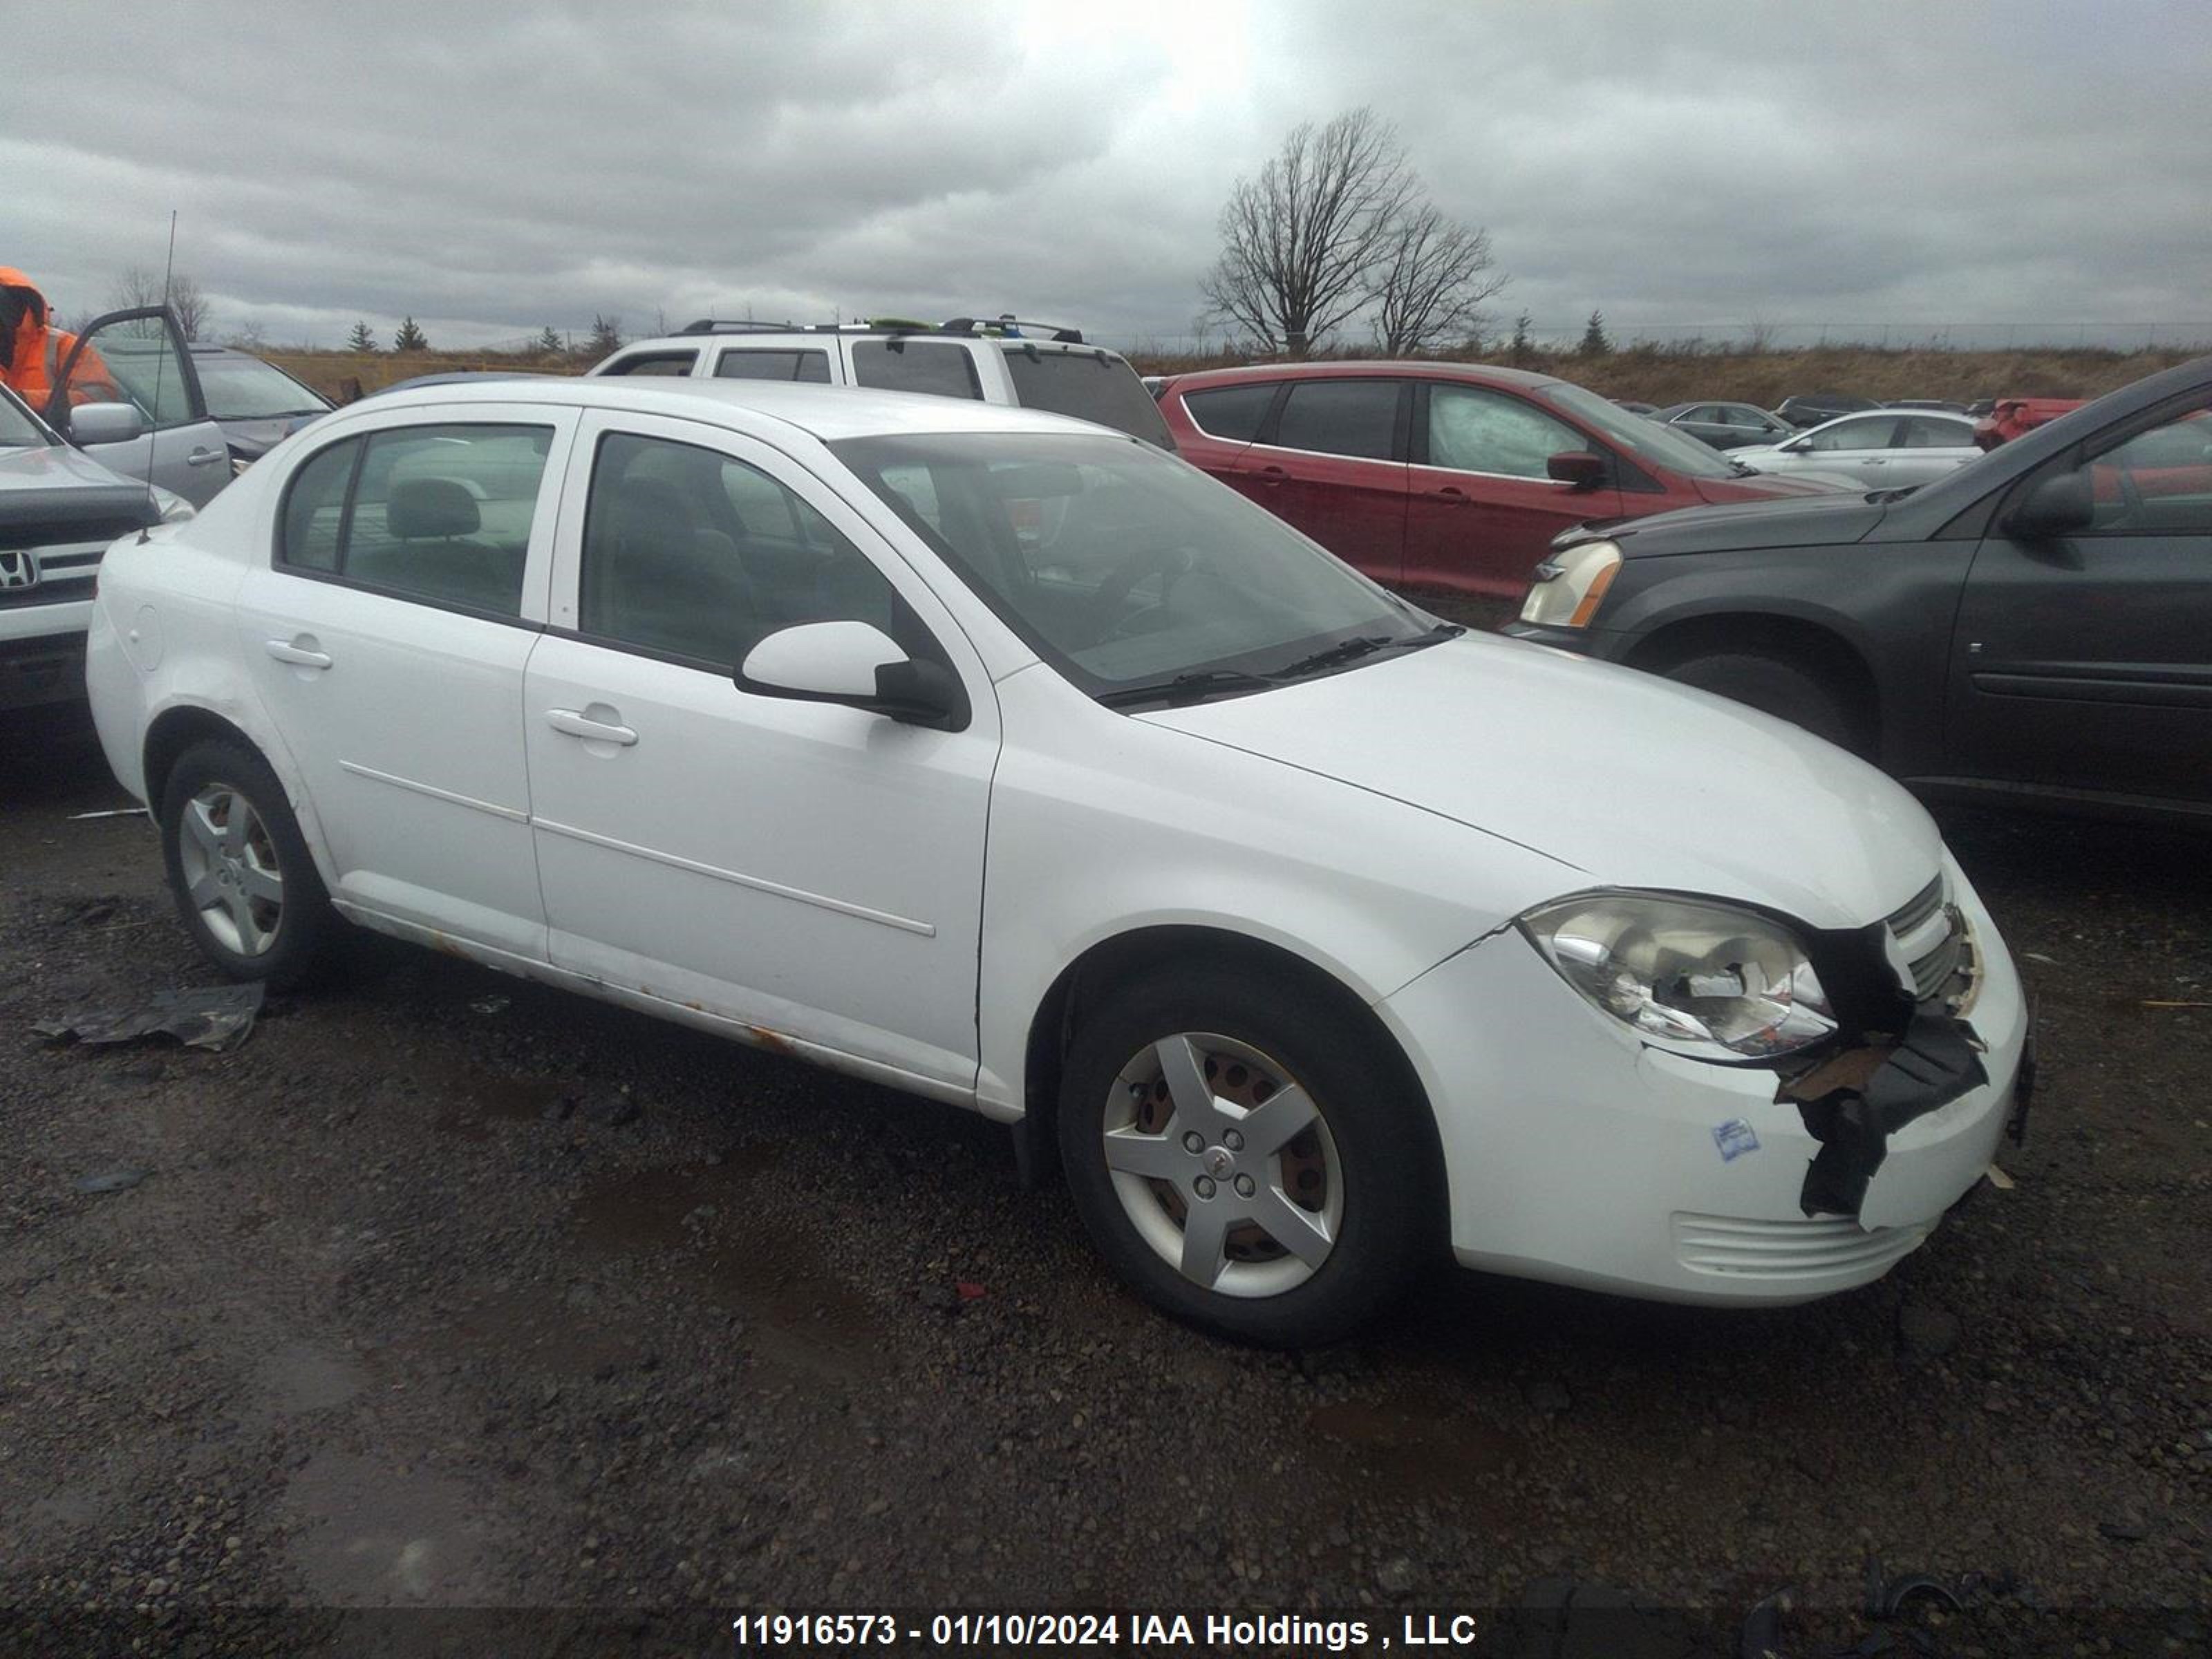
point(550, 343)
point(606, 335)
point(361, 342)
point(1523, 348)
point(1594, 344)
point(408, 337)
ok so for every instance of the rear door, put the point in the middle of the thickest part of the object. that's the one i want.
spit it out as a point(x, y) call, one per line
point(1483, 509)
point(1214, 425)
point(139, 357)
point(1332, 463)
point(1856, 448)
point(1929, 448)
point(2085, 661)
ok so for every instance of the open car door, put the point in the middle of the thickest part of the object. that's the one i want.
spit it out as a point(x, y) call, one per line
point(137, 357)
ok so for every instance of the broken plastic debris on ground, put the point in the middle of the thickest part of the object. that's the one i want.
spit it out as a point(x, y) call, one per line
point(216, 1017)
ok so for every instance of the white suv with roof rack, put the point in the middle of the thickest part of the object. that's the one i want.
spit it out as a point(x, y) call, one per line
point(1002, 360)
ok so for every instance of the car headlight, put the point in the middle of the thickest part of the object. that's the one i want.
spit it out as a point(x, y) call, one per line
point(175, 509)
point(1707, 981)
point(1569, 586)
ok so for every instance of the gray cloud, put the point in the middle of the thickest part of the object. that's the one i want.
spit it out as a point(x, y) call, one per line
point(491, 170)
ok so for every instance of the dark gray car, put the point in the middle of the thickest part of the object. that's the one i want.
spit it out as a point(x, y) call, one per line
point(1726, 426)
point(2036, 626)
point(255, 403)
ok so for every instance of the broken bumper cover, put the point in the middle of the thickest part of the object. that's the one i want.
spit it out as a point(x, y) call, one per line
point(1574, 1153)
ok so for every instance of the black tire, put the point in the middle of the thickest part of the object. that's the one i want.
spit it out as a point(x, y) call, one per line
point(1374, 1122)
point(303, 930)
point(1776, 687)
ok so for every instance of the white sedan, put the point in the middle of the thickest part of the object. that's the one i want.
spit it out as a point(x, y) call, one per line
point(1881, 449)
point(1011, 762)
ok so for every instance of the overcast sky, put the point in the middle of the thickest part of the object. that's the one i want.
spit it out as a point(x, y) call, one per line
point(491, 170)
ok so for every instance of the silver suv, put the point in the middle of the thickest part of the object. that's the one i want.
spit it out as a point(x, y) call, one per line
point(1003, 359)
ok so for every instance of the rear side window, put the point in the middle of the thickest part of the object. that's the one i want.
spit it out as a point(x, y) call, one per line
point(1872, 433)
point(1090, 386)
point(1924, 434)
point(811, 367)
point(1341, 417)
point(440, 514)
point(1233, 412)
point(906, 365)
point(656, 362)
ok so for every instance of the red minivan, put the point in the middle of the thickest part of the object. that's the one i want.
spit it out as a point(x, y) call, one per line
point(1445, 475)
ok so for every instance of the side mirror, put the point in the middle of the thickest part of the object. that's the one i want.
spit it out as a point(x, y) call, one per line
point(1797, 446)
point(859, 666)
point(1578, 467)
point(105, 423)
point(2054, 507)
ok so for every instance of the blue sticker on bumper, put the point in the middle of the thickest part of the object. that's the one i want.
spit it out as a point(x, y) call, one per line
point(1735, 1138)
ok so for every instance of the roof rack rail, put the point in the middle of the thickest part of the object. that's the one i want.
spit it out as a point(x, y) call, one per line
point(723, 325)
point(1007, 324)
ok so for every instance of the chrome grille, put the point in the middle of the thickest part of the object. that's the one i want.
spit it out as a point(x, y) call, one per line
point(1787, 1250)
point(1932, 934)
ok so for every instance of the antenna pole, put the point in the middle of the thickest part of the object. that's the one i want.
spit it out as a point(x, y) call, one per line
point(153, 437)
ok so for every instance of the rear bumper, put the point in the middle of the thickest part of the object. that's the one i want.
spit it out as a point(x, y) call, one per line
point(1574, 1154)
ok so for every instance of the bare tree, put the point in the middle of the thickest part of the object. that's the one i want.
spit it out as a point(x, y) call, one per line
point(1300, 242)
point(1430, 281)
point(139, 287)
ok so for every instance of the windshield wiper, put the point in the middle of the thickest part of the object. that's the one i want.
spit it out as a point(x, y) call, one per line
point(1186, 688)
point(1365, 645)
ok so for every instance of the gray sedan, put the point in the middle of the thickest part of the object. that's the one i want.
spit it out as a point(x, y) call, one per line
point(1725, 426)
point(1882, 449)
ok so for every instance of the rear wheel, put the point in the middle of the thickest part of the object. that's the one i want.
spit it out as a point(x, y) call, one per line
point(240, 870)
point(1775, 686)
point(1244, 1157)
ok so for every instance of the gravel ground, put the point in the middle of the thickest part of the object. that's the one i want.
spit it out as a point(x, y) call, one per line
point(449, 1291)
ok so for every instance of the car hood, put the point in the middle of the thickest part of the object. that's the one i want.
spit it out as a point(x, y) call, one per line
point(57, 466)
point(1765, 488)
point(1632, 780)
point(256, 437)
point(1826, 520)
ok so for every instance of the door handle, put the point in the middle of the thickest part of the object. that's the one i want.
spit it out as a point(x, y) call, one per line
point(577, 725)
point(1452, 495)
point(1271, 476)
point(300, 651)
point(205, 457)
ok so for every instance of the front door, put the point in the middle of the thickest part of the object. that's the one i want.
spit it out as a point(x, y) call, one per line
point(138, 357)
point(2085, 661)
point(387, 636)
point(1483, 507)
point(807, 870)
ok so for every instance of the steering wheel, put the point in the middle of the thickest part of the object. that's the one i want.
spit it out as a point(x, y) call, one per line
point(1171, 559)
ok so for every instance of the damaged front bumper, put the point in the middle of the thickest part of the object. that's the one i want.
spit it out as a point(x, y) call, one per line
point(1574, 1153)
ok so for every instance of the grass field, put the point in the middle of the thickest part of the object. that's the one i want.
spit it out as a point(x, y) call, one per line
point(1652, 374)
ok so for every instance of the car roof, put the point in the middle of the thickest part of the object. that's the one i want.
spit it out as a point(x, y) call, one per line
point(1481, 373)
point(829, 413)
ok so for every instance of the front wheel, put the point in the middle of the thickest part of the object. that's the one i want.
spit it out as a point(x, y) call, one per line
point(1774, 686)
point(1244, 1156)
point(244, 882)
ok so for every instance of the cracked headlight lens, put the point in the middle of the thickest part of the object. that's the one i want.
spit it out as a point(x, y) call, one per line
point(1707, 981)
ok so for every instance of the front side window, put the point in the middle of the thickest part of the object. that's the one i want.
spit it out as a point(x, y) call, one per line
point(2158, 483)
point(1121, 566)
point(439, 514)
point(243, 388)
point(1357, 418)
point(810, 367)
point(692, 554)
point(902, 364)
point(1230, 412)
point(1852, 434)
point(1476, 431)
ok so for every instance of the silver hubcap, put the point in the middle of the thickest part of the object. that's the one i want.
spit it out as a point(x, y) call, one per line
point(231, 870)
point(1225, 1165)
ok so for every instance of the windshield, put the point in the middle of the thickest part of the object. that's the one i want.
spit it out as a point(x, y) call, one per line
point(1090, 386)
point(1648, 441)
point(17, 429)
point(1124, 570)
point(247, 389)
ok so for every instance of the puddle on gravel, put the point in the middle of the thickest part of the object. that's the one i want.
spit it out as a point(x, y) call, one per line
point(703, 1223)
point(476, 1099)
point(1411, 1449)
point(365, 1534)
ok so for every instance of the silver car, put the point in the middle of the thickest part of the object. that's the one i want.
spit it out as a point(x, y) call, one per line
point(1879, 449)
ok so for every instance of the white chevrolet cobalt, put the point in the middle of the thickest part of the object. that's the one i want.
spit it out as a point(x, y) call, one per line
point(1010, 762)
